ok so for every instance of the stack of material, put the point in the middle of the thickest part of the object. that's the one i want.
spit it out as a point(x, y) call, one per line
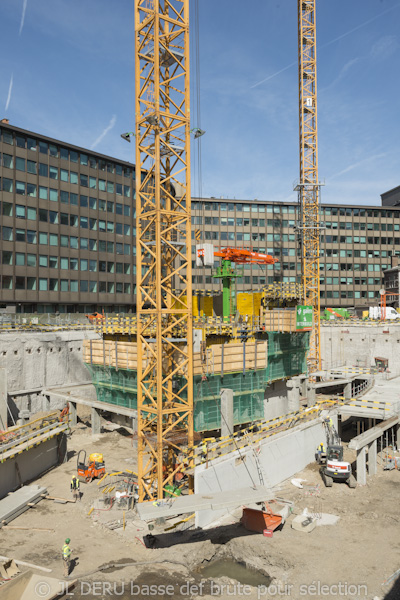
point(279, 320)
point(232, 358)
point(123, 355)
point(18, 502)
point(249, 303)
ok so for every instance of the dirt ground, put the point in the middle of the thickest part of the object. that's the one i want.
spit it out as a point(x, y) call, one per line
point(360, 552)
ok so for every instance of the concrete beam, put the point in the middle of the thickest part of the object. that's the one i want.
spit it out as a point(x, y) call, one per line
point(96, 425)
point(361, 466)
point(3, 399)
point(347, 391)
point(113, 408)
point(226, 412)
point(372, 454)
point(369, 436)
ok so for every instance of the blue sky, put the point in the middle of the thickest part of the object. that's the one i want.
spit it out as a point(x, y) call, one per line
point(67, 71)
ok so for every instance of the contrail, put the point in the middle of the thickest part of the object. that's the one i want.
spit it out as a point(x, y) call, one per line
point(340, 37)
point(9, 91)
point(21, 25)
point(104, 133)
point(357, 164)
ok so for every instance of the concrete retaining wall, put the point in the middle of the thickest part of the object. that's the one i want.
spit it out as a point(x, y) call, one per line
point(276, 400)
point(31, 463)
point(35, 361)
point(358, 346)
point(281, 456)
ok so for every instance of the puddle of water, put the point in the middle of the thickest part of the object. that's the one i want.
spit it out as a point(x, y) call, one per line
point(227, 567)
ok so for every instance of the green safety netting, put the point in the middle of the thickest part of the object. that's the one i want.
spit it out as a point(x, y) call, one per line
point(287, 354)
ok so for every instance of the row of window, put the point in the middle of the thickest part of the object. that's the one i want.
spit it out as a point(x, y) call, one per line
point(43, 284)
point(283, 209)
point(350, 280)
point(29, 189)
point(342, 239)
point(64, 241)
point(362, 226)
point(50, 216)
point(247, 237)
point(20, 259)
point(69, 198)
point(30, 143)
point(356, 253)
point(353, 267)
point(347, 294)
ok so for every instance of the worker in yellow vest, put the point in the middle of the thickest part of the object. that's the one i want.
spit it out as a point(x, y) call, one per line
point(66, 552)
point(75, 484)
point(320, 450)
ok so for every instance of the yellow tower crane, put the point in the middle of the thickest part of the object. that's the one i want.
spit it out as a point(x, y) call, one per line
point(163, 242)
point(309, 187)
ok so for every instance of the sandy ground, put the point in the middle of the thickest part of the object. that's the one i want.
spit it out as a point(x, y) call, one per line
point(359, 552)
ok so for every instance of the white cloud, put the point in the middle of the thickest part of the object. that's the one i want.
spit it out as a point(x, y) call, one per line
point(385, 47)
point(104, 132)
point(21, 25)
point(9, 91)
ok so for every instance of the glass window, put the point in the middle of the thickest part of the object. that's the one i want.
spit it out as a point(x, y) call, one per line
point(53, 172)
point(110, 227)
point(93, 286)
point(93, 265)
point(53, 150)
point(42, 238)
point(31, 167)
point(84, 222)
point(84, 285)
point(20, 283)
point(84, 180)
point(20, 164)
point(92, 162)
point(20, 211)
point(73, 242)
point(43, 285)
point(73, 156)
point(31, 283)
point(127, 288)
point(118, 228)
point(53, 239)
point(64, 285)
point(127, 191)
point(43, 260)
point(7, 185)
point(8, 137)
point(64, 175)
point(19, 259)
point(83, 264)
point(53, 217)
point(43, 147)
point(31, 143)
point(43, 193)
point(110, 207)
point(7, 282)
point(93, 245)
point(20, 235)
point(73, 264)
point(64, 197)
point(93, 203)
point(93, 224)
point(53, 195)
point(64, 241)
point(93, 183)
point(73, 220)
point(102, 185)
point(31, 237)
point(31, 190)
point(84, 159)
point(7, 209)
point(73, 199)
point(53, 262)
point(74, 285)
point(73, 177)
point(64, 153)
point(118, 209)
point(84, 243)
point(8, 161)
point(127, 230)
point(31, 260)
point(20, 188)
point(110, 187)
point(64, 263)
point(53, 285)
point(118, 189)
point(7, 257)
point(127, 210)
point(83, 201)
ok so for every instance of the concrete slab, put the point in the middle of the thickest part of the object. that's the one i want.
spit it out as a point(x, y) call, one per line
point(372, 434)
point(297, 524)
point(212, 501)
point(17, 502)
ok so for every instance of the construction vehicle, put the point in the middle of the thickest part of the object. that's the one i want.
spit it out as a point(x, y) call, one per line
point(334, 468)
point(331, 314)
point(94, 469)
point(389, 313)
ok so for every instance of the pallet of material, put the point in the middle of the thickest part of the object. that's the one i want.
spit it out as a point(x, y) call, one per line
point(231, 358)
point(278, 320)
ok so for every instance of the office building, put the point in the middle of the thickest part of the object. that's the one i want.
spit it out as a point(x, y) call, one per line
point(357, 243)
point(67, 226)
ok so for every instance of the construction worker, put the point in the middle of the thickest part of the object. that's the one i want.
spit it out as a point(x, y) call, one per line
point(66, 552)
point(320, 450)
point(75, 484)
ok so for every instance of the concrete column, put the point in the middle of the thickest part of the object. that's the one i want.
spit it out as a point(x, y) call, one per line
point(73, 419)
point(134, 423)
point(372, 454)
point(46, 402)
point(96, 426)
point(293, 394)
point(347, 391)
point(3, 399)
point(398, 437)
point(226, 412)
point(361, 466)
point(311, 397)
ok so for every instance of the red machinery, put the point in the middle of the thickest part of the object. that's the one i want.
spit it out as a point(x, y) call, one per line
point(245, 257)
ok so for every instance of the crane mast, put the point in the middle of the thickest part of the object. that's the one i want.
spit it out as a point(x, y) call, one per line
point(163, 242)
point(309, 186)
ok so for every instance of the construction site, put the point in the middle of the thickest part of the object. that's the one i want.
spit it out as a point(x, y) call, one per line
point(234, 444)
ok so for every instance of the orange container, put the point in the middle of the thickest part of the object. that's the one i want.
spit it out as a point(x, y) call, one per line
point(259, 521)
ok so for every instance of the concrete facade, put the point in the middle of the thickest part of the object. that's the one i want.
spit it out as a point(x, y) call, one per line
point(359, 345)
point(30, 464)
point(36, 361)
point(280, 457)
